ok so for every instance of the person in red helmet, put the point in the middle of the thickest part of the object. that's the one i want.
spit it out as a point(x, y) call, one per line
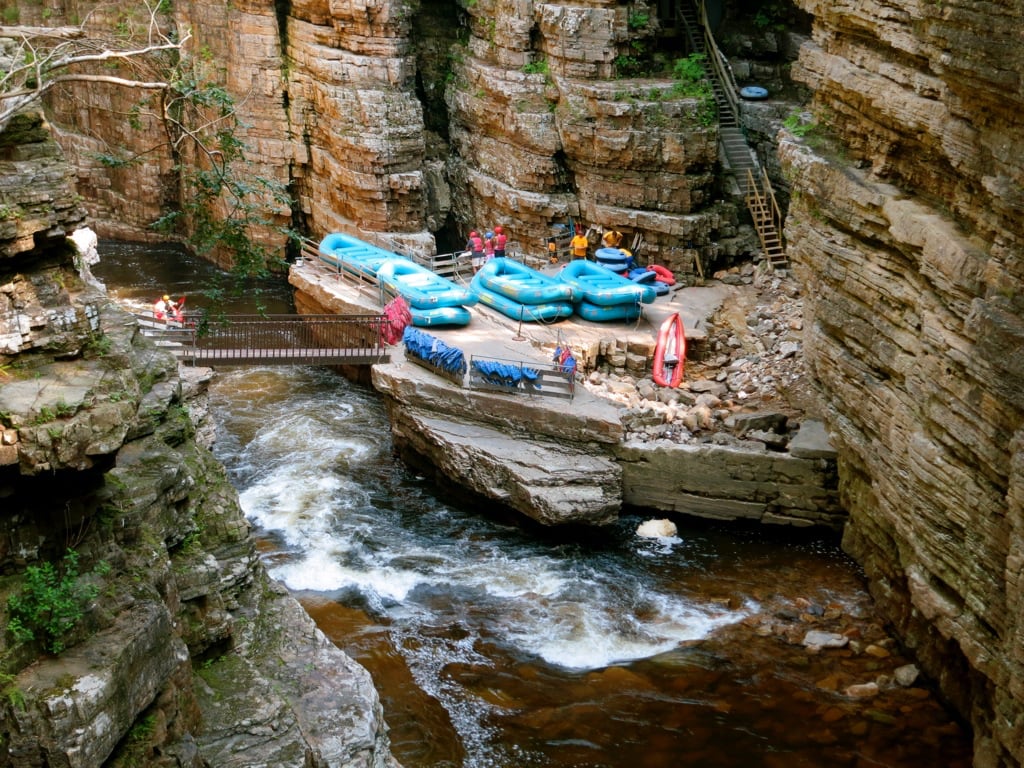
point(166, 309)
point(475, 246)
point(499, 242)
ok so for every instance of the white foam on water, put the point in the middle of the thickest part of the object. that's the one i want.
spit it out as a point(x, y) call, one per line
point(571, 612)
point(293, 503)
point(322, 570)
point(502, 577)
point(594, 635)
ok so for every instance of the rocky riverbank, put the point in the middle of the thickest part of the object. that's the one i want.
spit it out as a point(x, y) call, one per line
point(745, 379)
point(151, 633)
point(580, 461)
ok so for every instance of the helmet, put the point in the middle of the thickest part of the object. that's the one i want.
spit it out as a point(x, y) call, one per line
point(473, 234)
point(499, 229)
point(167, 298)
point(490, 235)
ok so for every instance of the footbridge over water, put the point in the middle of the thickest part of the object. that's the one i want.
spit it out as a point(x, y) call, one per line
point(271, 339)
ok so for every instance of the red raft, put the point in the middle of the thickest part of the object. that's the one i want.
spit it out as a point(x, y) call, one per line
point(664, 275)
point(670, 352)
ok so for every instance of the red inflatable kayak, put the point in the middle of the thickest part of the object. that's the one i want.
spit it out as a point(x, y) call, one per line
point(670, 353)
point(664, 275)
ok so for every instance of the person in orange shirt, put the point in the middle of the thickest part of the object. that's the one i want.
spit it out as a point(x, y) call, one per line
point(579, 245)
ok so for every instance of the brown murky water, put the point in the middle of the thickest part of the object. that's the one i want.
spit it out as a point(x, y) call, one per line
point(495, 643)
point(749, 694)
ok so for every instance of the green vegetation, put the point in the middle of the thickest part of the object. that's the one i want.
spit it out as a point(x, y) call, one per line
point(98, 345)
point(59, 410)
point(51, 602)
point(772, 15)
point(218, 206)
point(691, 82)
point(800, 124)
point(638, 20)
point(628, 66)
point(689, 72)
point(539, 67)
point(222, 205)
point(136, 747)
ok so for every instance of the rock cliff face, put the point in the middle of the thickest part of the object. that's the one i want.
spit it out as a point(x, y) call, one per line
point(183, 651)
point(423, 120)
point(905, 227)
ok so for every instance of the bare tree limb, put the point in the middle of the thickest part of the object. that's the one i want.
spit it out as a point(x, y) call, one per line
point(60, 33)
point(49, 56)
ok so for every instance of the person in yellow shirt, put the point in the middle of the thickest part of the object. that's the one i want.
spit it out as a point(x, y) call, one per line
point(612, 238)
point(579, 245)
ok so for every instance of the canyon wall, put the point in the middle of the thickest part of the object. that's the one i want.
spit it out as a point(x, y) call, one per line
point(162, 641)
point(905, 228)
point(405, 122)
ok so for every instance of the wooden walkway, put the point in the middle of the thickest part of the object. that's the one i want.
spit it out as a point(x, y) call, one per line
point(271, 339)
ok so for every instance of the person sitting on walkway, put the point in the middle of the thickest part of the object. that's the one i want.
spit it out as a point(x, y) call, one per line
point(165, 309)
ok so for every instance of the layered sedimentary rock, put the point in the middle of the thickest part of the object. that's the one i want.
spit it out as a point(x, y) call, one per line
point(905, 227)
point(183, 651)
point(412, 120)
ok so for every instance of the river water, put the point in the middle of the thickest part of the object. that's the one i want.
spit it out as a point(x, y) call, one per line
point(497, 644)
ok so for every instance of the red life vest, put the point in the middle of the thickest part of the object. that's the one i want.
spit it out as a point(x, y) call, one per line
point(476, 244)
point(499, 241)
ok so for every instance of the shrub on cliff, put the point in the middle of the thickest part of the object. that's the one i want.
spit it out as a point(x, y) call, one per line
point(51, 602)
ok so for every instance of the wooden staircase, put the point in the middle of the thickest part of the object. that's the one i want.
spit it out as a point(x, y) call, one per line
point(764, 209)
point(738, 160)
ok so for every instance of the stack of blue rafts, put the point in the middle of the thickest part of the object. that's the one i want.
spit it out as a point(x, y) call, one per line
point(522, 293)
point(621, 263)
point(600, 295)
point(353, 255)
point(615, 259)
point(432, 299)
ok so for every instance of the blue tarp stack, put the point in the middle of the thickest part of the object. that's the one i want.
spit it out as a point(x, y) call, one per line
point(433, 350)
point(506, 375)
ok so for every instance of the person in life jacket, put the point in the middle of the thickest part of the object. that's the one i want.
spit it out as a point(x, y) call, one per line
point(500, 239)
point(165, 308)
point(475, 245)
point(488, 246)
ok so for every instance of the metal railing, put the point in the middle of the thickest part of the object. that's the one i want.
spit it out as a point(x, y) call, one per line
point(274, 339)
point(762, 202)
point(544, 379)
point(719, 62)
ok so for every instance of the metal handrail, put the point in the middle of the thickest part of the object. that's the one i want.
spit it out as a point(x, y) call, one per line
point(290, 332)
point(718, 61)
point(764, 198)
point(272, 338)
